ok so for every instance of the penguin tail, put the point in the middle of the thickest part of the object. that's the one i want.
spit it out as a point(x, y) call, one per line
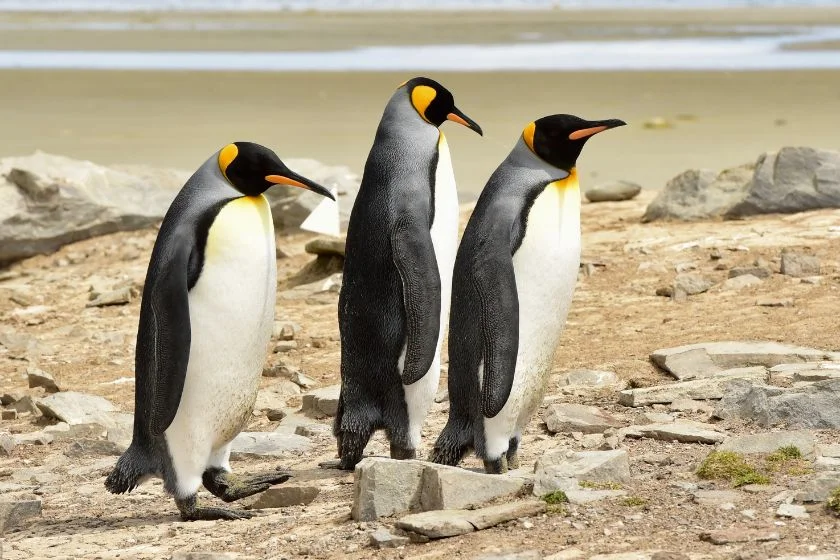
point(134, 465)
point(453, 443)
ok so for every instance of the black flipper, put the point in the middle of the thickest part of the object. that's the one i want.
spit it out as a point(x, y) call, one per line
point(165, 325)
point(495, 283)
point(414, 256)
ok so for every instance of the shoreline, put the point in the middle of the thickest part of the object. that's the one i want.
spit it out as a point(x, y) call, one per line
point(175, 119)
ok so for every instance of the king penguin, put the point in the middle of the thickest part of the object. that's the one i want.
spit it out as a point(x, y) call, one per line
point(394, 301)
point(514, 278)
point(205, 320)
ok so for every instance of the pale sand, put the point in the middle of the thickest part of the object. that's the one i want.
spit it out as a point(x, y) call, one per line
point(179, 119)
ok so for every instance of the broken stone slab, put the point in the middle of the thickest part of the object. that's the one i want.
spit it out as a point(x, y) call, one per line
point(759, 272)
point(799, 265)
point(829, 450)
point(121, 296)
point(383, 538)
point(449, 523)
point(707, 388)
point(792, 511)
point(810, 372)
point(268, 444)
point(445, 487)
point(40, 378)
point(735, 354)
point(827, 464)
point(735, 535)
point(561, 470)
point(326, 246)
point(74, 408)
point(687, 365)
point(819, 488)
point(34, 438)
point(569, 417)
point(816, 406)
point(285, 495)
point(7, 444)
point(740, 282)
point(15, 512)
point(86, 447)
point(681, 431)
point(771, 441)
point(689, 405)
point(716, 497)
point(384, 487)
point(322, 402)
point(691, 284)
point(588, 378)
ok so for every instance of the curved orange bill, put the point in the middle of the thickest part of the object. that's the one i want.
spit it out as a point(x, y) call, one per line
point(600, 126)
point(457, 116)
point(292, 179)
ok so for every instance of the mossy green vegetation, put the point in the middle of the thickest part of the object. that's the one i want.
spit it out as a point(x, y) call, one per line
point(788, 460)
point(785, 453)
point(833, 502)
point(731, 466)
point(634, 501)
point(555, 498)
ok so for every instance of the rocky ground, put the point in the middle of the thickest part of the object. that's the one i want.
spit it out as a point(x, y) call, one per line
point(628, 465)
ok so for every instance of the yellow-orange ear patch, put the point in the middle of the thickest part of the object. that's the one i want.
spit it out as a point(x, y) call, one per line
point(584, 132)
point(226, 156)
point(421, 98)
point(528, 135)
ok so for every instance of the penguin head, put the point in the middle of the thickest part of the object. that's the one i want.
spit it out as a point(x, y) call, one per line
point(435, 104)
point(252, 169)
point(559, 139)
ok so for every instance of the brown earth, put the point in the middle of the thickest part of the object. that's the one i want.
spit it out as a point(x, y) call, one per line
point(615, 323)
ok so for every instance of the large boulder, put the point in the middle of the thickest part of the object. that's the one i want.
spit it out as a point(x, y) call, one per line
point(699, 194)
point(791, 180)
point(47, 201)
point(794, 179)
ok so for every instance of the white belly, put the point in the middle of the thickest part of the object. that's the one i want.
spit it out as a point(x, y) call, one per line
point(231, 318)
point(444, 232)
point(546, 268)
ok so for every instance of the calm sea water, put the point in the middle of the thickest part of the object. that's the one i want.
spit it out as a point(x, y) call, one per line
point(270, 5)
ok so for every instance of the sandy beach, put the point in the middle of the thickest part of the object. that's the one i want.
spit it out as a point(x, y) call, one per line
point(177, 119)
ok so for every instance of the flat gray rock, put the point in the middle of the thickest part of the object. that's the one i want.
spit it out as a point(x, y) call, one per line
point(384, 487)
point(614, 191)
point(74, 408)
point(588, 378)
point(326, 246)
point(815, 406)
point(16, 512)
point(383, 538)
point(691, 284)
point(792, 511)
point(40, 378)
point(820, 488)
point(578, 418)
point(736, 354)
point(450, 523)
point(268, 444)
point(758, 272)
point(562, 470)
point(322, 402)
point(709, 388)
point(586, 496)
point(285, 495)
point(771, 441)
point(717, 497)
point(682, 431)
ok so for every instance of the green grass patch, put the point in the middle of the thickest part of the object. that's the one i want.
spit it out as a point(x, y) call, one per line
point(788, 460)
point(593, 485)
point(555, 498)
point(634, 501)
point(731, 466)
point(786, 453)
point(833, 502)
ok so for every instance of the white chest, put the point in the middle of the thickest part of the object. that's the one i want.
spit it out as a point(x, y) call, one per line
point(231, 317)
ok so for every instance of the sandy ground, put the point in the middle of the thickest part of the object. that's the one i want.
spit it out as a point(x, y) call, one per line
point(177, 119)
point(615, 322)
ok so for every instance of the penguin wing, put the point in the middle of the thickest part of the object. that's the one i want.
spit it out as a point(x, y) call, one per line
point(164, 334)
point(494, 281)
point(414, 256)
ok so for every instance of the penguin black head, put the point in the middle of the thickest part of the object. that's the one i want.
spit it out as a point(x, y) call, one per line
point(558, 139)
point(435, 104)
point(252, 169)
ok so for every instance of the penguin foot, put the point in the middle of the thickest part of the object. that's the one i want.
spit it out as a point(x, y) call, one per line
point(499, 466)
point(230, 487)
point(401, 453)
point(513, 453)
point(191, 512)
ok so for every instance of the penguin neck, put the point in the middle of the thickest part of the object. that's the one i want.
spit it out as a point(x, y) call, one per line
point(402, 121)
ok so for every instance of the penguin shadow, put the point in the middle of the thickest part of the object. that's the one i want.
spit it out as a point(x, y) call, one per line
point(88, 524)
